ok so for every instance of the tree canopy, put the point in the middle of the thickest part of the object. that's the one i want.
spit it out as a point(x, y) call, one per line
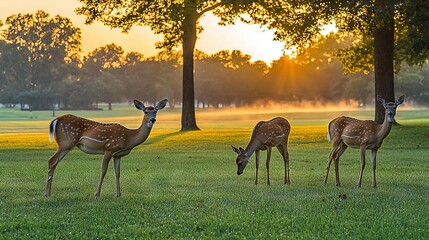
point(36, 51)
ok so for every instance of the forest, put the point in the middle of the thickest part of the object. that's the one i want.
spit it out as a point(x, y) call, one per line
point(42, 67)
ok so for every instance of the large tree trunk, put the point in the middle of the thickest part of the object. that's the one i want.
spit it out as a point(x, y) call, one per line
point(189, 39)
point(383, 59)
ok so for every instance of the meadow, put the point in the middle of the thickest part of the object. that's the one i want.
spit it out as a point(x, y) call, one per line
point(183, 185)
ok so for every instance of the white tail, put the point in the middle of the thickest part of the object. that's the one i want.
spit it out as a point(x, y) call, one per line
point(52, 128)
point(329, 135)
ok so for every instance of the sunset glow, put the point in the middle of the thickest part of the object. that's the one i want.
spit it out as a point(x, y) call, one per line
point(250, 39)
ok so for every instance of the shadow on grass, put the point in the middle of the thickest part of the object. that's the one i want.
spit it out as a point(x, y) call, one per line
point(162, 137)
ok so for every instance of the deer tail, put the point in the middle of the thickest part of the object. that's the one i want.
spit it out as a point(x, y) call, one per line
point(329, 134)
point(52, 128)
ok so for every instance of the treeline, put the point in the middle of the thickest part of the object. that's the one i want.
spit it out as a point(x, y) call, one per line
point(41, 67)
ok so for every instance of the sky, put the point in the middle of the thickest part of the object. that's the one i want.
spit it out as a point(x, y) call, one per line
point(250, 39)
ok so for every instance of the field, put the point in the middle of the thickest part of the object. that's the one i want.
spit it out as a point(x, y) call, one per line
point(183, 185)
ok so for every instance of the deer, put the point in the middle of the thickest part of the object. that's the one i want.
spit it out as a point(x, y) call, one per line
point(346, 132)
point(112, 140)
point(265, 136)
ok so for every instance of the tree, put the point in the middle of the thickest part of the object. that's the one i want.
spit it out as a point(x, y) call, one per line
point(103, 67)
point(177, 20)
point(299, 23)
point(39, 51)
point(414, 81)
point(151, 79)
point(359, 87)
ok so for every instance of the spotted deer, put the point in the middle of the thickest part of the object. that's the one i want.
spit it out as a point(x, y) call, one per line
point(265, 135)
point(346, 132)
point(112, 140)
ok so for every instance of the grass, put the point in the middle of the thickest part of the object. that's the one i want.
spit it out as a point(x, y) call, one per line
point(183, 185)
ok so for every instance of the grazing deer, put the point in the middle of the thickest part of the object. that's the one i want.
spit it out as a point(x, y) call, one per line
point(109, 139)
point(272, 133)
point(346, 132)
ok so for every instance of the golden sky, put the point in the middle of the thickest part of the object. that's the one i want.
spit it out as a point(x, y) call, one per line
point(250, 39)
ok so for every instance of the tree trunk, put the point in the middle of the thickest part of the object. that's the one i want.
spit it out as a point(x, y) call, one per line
point(383, 59)
point(189, 39)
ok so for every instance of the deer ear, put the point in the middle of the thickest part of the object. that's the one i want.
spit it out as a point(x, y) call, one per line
point(138, 104)
point(381, 100)
point(235, 149)
point(161, 104)
point(242, 150)
point(400, 100)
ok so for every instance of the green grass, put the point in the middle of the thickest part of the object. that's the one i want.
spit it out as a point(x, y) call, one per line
point(183, 185)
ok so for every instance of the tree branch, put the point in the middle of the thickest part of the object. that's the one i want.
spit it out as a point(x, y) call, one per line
point(213, 7)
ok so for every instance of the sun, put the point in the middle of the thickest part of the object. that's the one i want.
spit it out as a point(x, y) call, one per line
point(250, 39)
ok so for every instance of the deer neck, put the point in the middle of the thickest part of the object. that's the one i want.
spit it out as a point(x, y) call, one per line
point(252, 147)
point(141, 134)
point(385, 128)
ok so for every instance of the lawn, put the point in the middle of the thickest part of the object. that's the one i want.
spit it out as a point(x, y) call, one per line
point(183, 185)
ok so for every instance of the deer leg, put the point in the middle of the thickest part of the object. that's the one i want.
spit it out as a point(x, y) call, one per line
point(331, 157)
point(117, 162)
point(268, 164)
point(106, 158)
point(341, 150)
point(52, 165)
point(287, 166)
point(374, 166)
point(285, 154)
point(257, 155)
point(362, 164)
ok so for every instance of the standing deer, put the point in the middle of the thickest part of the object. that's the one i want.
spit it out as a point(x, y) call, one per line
point(346, 132)
point(265, 135)
point(109, 139)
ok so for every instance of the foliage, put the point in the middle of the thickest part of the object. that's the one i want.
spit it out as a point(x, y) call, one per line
point(101, 70)
point(152, 79)
point(414, 82)
point(298, 23)
point(37, 51)
point(360, 88)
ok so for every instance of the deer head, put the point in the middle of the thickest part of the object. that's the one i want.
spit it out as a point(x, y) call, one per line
point(150, 112)
point(391, 107)
point(242, 159)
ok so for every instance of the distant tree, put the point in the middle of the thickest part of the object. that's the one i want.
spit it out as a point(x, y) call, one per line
point(110, 88)
point(360, 87)
point(12, 74)
point(228, 77)
point(40, 51)
point(252, 84)
point(414, 82)
point(213, 80)
point(102, 67)
point(153, 78)
point(323, 71)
